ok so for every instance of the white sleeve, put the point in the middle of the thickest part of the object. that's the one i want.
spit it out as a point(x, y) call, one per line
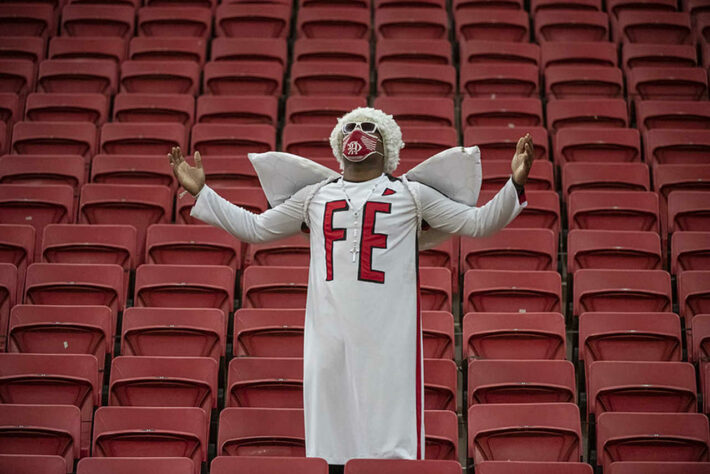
point(278, 222)
point(453, 217)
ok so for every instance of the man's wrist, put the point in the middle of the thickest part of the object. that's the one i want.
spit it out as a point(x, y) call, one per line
point(519, 188)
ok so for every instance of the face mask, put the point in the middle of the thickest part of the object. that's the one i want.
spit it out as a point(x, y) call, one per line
point(359, 145)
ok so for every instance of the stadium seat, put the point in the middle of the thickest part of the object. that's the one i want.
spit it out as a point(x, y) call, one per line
point(151, 108)
point(423, 142)
point(534, 467)
point(621, 290)
point(418, 111)
point(501, 112)
point(499, 143)
point(492, 25)
point(265, 382)
point(62, 107)
point(54, 138)
point(437, 335)
point(185, 286)
point(584, 82)
point(17, 76)
point(677, 146)
point(246, 197)
point(693, 294)
point(677, 114)
point(164, 382)
point(274, 287)
point(511, 249)
point(499, 80)
point(182, 21)
point(17, 247)
point(206, 4)
point(514, 336)
point(435, 289)
point(573, 113)
point(395, 4)
point(400, 466)
point(151, 432)
point(688, 211)
point(615, 7)
point(10, 109)
point(689, 251)
point(440, 384)
point(441, 435)
point(324, 110)
point(701, 23)
point(310, 140)
point(31, 464)
point(154, 77)
point(613, 249)
point(143, 48)
point(35, 20)
point(135, 466)
point(132, 138)
point(174, 332)
point(688, 177)
point(613, 210)
point(329, 79)
point(333, 22)
point(317, 49)
point(677, 437)
point(571, 26)
point(657, 467)
point(248, 78)
point(411, 23)
point(511, 291)
point(520, 381)
point(191, 245)
point(237, 110)
point(601, 176)
point(268, 464)
point(132, 169)
point(225, 171)
point(261, 432)
point(497, 172)
point(499, 52)
point(411, 51)
point(262, 332)
point(427, 80)
point(43, 169)
point(653, 28)
point(67, 47)
point(635, 55)
point(98, 20)
point(291, 251)
point(578, 53)
point(542, 210)
point(41, 430)
point(444, 255)
point(667, 83)
point(8, 297)
point(272, 50)
point(232, 139)
point(22, 47)
point(524, 432)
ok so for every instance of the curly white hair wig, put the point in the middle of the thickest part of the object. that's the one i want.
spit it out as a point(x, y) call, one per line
point(388, 128)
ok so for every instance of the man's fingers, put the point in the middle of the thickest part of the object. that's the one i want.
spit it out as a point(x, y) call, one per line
point(520, 146)
point(198, 160)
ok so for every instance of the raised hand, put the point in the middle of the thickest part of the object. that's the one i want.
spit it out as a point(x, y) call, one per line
point(523, 159)
point(192, 178)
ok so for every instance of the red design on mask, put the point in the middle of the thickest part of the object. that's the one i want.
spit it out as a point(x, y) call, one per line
point(358, 145)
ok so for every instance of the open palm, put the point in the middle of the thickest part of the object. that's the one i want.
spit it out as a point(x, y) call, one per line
point(192, 178)
point(523, 159)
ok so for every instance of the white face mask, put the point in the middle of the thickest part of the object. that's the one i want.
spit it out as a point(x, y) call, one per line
point(358, 145)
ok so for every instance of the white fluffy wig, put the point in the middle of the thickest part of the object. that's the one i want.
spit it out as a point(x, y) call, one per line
point(388, 128)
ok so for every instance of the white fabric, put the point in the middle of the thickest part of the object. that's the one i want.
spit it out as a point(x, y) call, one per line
point(362, 342)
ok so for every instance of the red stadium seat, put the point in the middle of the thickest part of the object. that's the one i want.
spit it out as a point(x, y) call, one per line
point(98, 20)
point(499, 80)
point(514, 336)
point(693, 294)
point(499, 52)
point(423, 142)
point(702, 22)
point(17, 247)
point(438, 335)
point(191, 245)
point(520, 381)
point(492, 25)
point(54, 138)
point(497, 172)
point(421, 80)
point(261, 432)
point(583, 82)
point(444, 255)
point(22, 47)
point(501, 112)
point(174, 332)
point(542, 210)
point(248, 198)
point(167, 49)
point(75, 107)
point(268, 332)
point(621, 290)
point(532, 467)
point(34, 20)
point(677, 146)
point(242, 78)
point(603, 176)
point(498, 143)
point(571, 26)
point(677, 437)
point(265, 382)
point(207, 4)
point(435, 289)
point(325, 110)
point(573, 113)
point(230, 139)
point(291, 251)
point(10, 108)
point(679, 114)
point(635, 55)
point(524, 432)
point(411, 23)
point(268, 464)
point(401, 466)
point(395, 4)
point(237, 110)
point(419, 111)
point(8, 297)
point(440, 384)
point(688, 211)
point(412, 51)
point(274, 287)
point(135, 466)
point(613, 250)
point(225, 171)
point(131, 169)
point(329, 49)
point(578, 53)
point(441, 437)
point(511, 249)
point(657, 467)
point(653, 28)
point(141, 138)
point(459, 5)
point(67, 47)
point(689, 251)
point(154, 77)
point(182, 21)
point(333, 23)
point(668, 83)
point(29, 464)
point(17, 76)
point(615, 7)
point(309, 140)
point(511, 291)
point(329, 79)
point(613, 210)
point(43, 169)
point(670, 178)
point(273, 50)
point(41, 430)
point(151, 432)
point(241, 20)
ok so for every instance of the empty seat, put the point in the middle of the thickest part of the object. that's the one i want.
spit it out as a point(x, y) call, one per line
point(325, 110)
point(30, 464)
point(677, 146)
point(689, 251)
point(440, 384)
point(229, 139)
point(291, 251)
point(182, 21)
point(542, 210)
point(578, 53)
point(333, 22)
point(384, 4)
point(249, 198)
point(265, 382)
point(492, 25)
point(241, 20)
point(534, 467)
point(141, 138)
point(41, 430)
point(237, 110)
point(441, 437)
point(174, 332)
point(573, 113)
point(617, 6)
point(274, 287)
point(635, 55)
point(342, 51)
point(35, 20)
point(501, 112)
point(58, 107)
point(511, 249)
point(268, 464)
point(153, 77)
point(71, 76)
point(499, 52)
point(8, 296)
point(191, 245)
point(520, 381)
point(225, 171)
point(657, 467)
point(151, 432)
point(701, 21)
point(131, 169)
point(499, 80)
point(499, 143)
point(613, 249)
point(581, 82)
point(688, 177)
point(411, 23)
point(514, 336)
point(511, 291)
point(571, 26)
point(677, 437)
point(602, 176)
point(423, 142)
point(653, 28)
point(98, 20)
point(167, 49)
point(419, 111)
point(17, 76)
point(262, 332)
point(524, 432)
point(678, 114)
point(497, 172)
point(437, 335)
point(444, 255)
point(693, 294)
point(54, 138)
point(621, 290)
point(135, 466)
point(67, 47)
point(261, 432)
point(667, 83)
point(23, 47)
point(688, 211)
point(413, 51)
point(271, 50)
point(146, 108)
point(613, 210)
point(10, 109)
point(310, 140)
point(426, 80)
point(243, 78)
point(43, 169)
point(435, 289)
point(17, 246)
point(401, 466)
point(330, 79)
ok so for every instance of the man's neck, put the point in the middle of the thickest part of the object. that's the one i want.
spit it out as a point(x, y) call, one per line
point(366, 170)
